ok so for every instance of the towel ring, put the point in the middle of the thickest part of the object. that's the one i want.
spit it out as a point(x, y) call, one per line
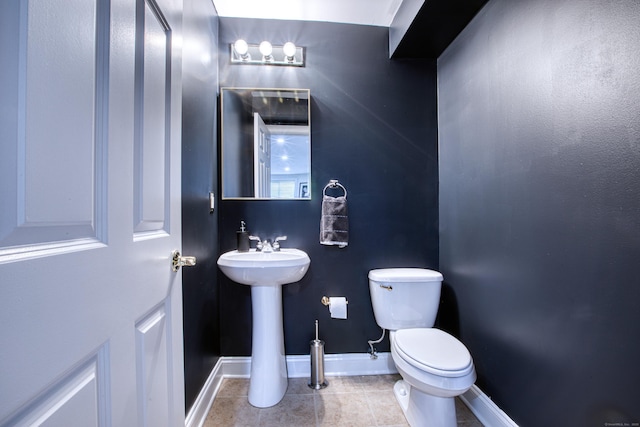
point(333, 183)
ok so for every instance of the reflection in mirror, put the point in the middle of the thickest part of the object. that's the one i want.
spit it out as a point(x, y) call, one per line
point(266, 143)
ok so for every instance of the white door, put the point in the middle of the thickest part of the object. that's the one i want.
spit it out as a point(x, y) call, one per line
point(261, 157)
point(90, 309)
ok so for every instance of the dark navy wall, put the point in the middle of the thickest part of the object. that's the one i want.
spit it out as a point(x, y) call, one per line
point(539, 130)
point(373, 127)
point(199, 176)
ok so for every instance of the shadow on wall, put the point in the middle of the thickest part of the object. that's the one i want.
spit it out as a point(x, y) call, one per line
point(448, 316)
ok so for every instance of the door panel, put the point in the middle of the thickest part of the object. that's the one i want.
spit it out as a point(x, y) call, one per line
point(153, 59)
point(152, 358)
point(75, 397)
point(90, 310)
point(55, 98)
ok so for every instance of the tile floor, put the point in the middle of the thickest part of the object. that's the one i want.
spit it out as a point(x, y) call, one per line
point(348, 401)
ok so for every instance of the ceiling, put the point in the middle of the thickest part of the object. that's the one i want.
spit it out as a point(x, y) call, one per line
point(435, 26)
point(421, 29)
point(363, 12)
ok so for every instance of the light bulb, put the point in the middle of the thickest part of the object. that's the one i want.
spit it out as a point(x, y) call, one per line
point(241, 47)
point(266, 49)
point(289, 50)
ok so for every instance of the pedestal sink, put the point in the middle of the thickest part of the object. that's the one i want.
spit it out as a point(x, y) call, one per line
point(266, 272)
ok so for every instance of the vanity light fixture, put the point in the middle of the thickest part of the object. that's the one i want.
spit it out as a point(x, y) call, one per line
point(267, 54)
point(289, 50)
point(241, 48)
point(266, 50)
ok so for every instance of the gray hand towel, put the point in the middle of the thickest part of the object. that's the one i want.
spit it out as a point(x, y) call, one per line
point(334, 223)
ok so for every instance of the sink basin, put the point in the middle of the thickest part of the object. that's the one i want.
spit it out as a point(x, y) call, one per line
point(266, 272)
point(265, 268)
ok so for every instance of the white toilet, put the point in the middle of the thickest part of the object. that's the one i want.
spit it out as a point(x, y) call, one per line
point(435, 367)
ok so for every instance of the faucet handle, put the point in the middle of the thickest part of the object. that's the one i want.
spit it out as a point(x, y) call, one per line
point(276, 243)
point(258, 244)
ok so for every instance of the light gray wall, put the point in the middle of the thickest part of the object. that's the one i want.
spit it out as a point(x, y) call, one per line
point(539, 139)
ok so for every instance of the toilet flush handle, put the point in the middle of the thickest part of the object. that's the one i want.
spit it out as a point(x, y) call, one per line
point(389, 287)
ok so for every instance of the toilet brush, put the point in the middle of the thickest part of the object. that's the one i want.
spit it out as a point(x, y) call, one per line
point(317, 380)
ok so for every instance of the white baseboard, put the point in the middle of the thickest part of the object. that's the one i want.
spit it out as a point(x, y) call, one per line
point(200, 408)
point(335, 365)
point(485, 410)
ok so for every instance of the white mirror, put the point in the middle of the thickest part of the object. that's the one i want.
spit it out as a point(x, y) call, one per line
point(266, 143)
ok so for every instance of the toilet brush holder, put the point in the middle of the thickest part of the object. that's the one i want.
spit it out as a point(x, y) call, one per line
point(317, 380)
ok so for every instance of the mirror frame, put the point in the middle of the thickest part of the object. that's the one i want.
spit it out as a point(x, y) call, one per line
point(223, 142)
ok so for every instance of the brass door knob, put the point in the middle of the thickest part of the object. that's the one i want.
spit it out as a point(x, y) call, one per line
point(178, 260)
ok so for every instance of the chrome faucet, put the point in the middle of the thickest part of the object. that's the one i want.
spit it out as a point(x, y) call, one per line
point(262, 245)
point(266, 245)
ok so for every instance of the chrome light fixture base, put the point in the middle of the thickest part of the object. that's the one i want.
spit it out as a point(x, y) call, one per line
point(250, 54)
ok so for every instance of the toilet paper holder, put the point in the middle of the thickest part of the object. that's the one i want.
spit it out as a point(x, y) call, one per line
point(325, 301)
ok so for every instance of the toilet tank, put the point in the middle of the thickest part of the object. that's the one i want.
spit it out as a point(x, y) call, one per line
point(405, 297)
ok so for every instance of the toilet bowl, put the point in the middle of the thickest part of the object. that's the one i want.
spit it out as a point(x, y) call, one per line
point(435, 366)
point(433, 361)
point(430, 380)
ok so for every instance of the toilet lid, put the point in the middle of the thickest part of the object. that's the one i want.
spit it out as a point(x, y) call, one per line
point(434, 350)
point(404, 275)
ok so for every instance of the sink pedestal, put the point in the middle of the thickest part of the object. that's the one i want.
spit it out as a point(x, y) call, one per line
point(266, 272)
point(268, 382)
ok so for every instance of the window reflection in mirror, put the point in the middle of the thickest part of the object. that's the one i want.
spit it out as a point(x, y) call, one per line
point(266, 143)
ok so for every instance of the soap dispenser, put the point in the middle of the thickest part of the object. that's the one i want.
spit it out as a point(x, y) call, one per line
point(243, 238)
